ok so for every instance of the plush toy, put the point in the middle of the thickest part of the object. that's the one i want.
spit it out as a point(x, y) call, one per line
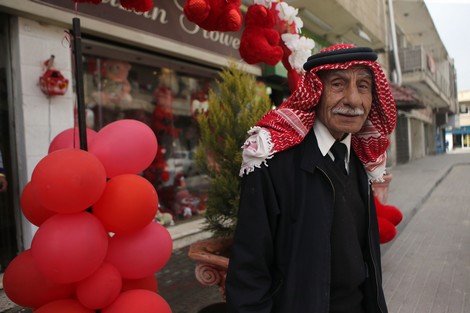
point(114, 93)
point(164, 217)
point(260, 41)
point(211, 15)
point(186, 203)
point(116, 89)
point(388, 217)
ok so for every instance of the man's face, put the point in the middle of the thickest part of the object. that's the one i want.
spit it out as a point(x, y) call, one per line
point(346, 100)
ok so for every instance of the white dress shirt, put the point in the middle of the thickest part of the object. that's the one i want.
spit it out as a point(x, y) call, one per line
point(326, 141)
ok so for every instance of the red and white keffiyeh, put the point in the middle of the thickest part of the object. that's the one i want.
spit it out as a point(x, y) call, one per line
point(287, 125)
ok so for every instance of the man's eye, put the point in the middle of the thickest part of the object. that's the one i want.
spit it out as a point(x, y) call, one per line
point(364, 88)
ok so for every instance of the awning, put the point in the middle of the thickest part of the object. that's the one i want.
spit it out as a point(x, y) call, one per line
point(460, 131)
point(406, 97)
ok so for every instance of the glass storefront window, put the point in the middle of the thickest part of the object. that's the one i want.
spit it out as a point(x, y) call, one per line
point(466, 140)
point(167, 97)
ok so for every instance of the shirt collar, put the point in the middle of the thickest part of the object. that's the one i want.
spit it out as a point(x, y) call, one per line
point(326, 140)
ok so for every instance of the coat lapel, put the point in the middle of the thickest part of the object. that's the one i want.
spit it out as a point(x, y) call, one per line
point(311, 156)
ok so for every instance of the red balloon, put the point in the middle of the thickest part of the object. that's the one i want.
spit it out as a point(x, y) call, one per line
point(68, 180)
point(129, 203)
point(141, 253)
point(32, 209)
point(70, 138)
point(26, 286)
point(147, 283)
point(101, 288)
point(125, 147)
point(69, 247)
point(142, 301)
point(62, 306)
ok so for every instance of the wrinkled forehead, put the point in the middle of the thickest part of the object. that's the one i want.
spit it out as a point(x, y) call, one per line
point(361, 71)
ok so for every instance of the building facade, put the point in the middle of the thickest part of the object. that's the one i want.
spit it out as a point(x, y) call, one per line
point(157, 67)
point(426, 83)
point(457, 132)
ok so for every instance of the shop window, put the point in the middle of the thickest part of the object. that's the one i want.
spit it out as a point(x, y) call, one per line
point(167, 98)
point(466, 140)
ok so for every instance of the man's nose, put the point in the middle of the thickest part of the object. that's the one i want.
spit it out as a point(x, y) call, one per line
point(352, 96)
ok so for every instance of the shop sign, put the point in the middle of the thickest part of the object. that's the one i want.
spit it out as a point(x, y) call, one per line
point(166, 19)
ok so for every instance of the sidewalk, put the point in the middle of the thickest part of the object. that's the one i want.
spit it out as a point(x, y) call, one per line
point(426, 268)
point(412, 184)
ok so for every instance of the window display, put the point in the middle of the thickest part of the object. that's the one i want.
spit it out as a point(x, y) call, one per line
point(167, 99)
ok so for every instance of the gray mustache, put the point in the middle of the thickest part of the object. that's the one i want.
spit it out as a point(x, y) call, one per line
point(348, 111)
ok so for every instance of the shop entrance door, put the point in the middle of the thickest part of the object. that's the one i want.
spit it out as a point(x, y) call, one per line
point(8, 241)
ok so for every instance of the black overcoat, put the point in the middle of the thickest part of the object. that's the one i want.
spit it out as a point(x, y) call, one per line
point(280, 259)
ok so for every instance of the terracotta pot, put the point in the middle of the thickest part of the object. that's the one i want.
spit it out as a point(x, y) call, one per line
point(212, 256)
point(381, 188)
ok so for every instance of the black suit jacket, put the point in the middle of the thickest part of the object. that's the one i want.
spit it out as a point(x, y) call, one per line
point(280, 259)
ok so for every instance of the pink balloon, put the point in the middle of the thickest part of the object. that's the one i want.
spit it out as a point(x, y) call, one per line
point(64, 306)
point(142, 301)
point(26, 286)
point(125, 147)
point(101, 288)
point(129, 203)
point(70, 138)
point(68, 180)
point(141, 253)
point(69, 247)
point(34, 211)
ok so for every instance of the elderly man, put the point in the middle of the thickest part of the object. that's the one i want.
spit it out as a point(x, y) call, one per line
point(307, 236)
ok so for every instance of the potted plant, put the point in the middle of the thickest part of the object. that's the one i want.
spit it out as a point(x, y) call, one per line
point(236, 104)
point(381, 188)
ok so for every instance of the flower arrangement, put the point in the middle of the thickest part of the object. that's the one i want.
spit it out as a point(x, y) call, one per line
point(278, 25)
point(290, 26)
point(297, 48)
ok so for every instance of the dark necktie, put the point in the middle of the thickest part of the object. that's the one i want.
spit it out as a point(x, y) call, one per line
point(339, 151)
